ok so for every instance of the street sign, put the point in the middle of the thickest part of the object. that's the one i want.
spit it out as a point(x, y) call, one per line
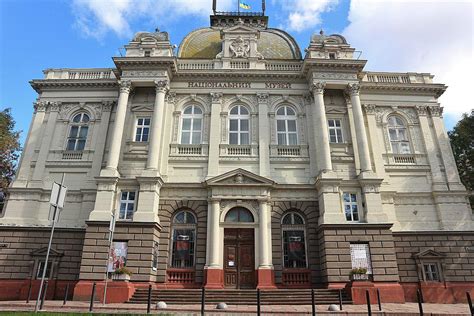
point(58, 195)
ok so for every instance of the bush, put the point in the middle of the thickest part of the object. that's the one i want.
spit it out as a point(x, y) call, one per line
point(123, 270)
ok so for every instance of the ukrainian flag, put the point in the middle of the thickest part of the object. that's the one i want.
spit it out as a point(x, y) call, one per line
point(244, 6)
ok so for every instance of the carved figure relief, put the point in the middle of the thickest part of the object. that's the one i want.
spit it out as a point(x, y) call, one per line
point(240, 48)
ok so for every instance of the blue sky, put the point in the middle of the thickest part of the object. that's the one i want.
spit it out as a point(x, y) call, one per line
point(393, 35)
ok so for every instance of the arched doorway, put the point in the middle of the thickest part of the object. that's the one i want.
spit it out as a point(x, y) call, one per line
point(239, 251)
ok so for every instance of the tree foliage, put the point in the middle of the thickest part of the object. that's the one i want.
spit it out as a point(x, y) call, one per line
point(9, 148)
point(462, 142)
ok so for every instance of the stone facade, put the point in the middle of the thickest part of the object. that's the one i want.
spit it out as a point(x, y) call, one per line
point(236, 162)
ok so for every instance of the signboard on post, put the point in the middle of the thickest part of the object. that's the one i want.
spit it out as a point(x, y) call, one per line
point(58, 195)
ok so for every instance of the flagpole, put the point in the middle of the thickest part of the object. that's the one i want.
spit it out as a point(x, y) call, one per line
point(238, 6)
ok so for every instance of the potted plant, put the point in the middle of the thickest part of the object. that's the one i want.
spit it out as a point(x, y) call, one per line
point(122, 274)
point(359, 274)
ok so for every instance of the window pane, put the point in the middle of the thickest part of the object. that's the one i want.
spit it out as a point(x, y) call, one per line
point(281, 111)
point(234, 110)
point(197, 124)
point(233, 125)
point(196, 138)
point(392, 121)
point(185, 136)
point(281, 126)
point(402, 135)
point(405, 148)
point(331, 123)
point(85, 118)
point(232, 216)
point(393, 134)
point(353, 198)
point(190, 219)
point(186, 124)
point(244, 125)
point(83, 131)
point(138, 134)
point(339, 135)
point(80, 144)
point(245, 216)
point(298, 219)
point(243, 111)
point(293, 139)
point(73, 131)
point(289, 111)
point(71, 144)
point(346, 197)
point(244, 139)
point(399, 121)
point(282, 139)
point(147, 122)
point(77, 118)
point(124, 196)
point(140, 122)
point(338, 123)
point(131, 196)
point(233, 138)
point(332, 139)
point(287, 219)
point(292, 125)
point(197, 110)
point(179, 218)
point(130, 207)
point(188, 110)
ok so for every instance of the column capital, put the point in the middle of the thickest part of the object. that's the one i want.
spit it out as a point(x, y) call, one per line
point(436, 111)
point(40, 106)
point(422, 110)
point(262, 97)
point(370, 109)
point(125, 85)
point(318, 87)
point(161, 86)
point(353, 89)
point(216, 97)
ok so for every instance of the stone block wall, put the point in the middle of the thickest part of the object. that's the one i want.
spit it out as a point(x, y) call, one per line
point(140, 238)
point(18, 243)
point(310, 212)
point(457, 247)
point(168, 208)
point(334, 247)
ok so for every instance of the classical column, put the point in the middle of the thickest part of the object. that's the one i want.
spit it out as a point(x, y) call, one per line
point(119, 126)
point(214, 273)
point(264, 135)
point(156, 129)
point(320, 126)
point(362, 143)
point(214, 135)
point(266, 277)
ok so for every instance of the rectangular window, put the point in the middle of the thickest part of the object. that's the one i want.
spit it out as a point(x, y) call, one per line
point(294, 252)
point(351, 207)
point(127, 204)
point(360, 257)
point(155, 257)
point(39, 270)
point(335, 131)
point(431, 272)
point(183, 248)
point(143, 129)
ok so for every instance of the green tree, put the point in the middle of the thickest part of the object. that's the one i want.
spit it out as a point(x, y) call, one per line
point(462, 142)
point(9, 151)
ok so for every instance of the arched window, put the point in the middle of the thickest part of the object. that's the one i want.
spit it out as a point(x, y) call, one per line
point(398, 135)
point(184, 237)
point(294, 243)
point(191, 126)
point(286, 126)
point(78, 132)
point(239, 215)
point(239, 121)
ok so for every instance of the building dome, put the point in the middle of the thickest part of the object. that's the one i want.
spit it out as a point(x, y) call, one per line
point(205, 43)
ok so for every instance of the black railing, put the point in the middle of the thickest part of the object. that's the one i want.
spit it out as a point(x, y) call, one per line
point(242, 13)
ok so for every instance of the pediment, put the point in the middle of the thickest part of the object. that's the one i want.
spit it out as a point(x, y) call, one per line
point(41, 252)
point(335, 110)
point(238, 29)
point(240, 177)
point(142, 108)
point(428, 254)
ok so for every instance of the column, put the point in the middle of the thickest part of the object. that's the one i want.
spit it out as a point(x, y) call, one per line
point(430, 149)
point(117, 131)
point(31, 143)
point(214, 135)
point(266, 278)
point(447, 156)
point(214, 272)
point(46, 141)
point(264, 135)
point(362, 143)
point(156, 129)
point(320, 126)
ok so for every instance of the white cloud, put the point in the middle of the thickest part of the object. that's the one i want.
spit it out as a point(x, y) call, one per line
point(418, 36)
point(305, 14)
point(97, 17)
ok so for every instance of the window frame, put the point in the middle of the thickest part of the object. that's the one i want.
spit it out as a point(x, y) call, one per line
point(193, 116)
point(295, 228)
point(352, 203)
point(239, 209)
point(142, 126)
point(39, 269)
point(397, 128)
point(183, 226)
point(239, 118)
point(286, 118)
point(80, 125)
point(127, 202)
point(336, 129)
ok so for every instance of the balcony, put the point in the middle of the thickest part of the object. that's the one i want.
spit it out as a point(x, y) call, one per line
point(239, 150)
point(189, 150)
point(79, 74)
point(288, 151)
point(72, 155)
point(405, 159)
point(397, 78)
point(195, 65)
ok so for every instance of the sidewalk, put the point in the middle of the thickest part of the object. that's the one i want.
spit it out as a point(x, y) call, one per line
point(240, 310)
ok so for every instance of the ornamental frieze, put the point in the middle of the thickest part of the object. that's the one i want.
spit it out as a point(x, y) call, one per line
point(335, 76)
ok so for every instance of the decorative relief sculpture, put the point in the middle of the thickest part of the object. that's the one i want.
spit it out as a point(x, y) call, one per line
point(353, 88)
point(240, 48)
point(171, 97)
point(107, 106)
point(370, 109)
point(125, 86)
point(436, 110)
point(422, 110)
point(161, 86)
point(216, 97)
point(40, 106)
point(262, 97)
point(318, 87)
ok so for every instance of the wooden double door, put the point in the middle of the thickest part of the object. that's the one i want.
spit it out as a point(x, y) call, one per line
point(239, 258)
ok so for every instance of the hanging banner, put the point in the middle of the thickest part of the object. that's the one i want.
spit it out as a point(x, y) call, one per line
point(118, 255)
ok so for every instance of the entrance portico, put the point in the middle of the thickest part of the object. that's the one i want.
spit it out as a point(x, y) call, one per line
point(239, 239)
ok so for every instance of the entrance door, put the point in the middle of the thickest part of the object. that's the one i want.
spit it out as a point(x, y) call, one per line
point(239, 258)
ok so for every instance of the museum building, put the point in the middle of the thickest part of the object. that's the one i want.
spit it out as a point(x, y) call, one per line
point(236, 161)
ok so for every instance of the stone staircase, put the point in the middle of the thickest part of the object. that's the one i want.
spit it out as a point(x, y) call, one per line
point(241, 297)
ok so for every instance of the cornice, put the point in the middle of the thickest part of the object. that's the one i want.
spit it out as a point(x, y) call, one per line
point(45, 84)
point(146, 61)
point(422, 88)
point(333, 64)
point(242, 73)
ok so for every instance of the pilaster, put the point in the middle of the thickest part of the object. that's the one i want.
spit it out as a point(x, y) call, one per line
point(264, 135)
point(214, 135)
point(105, 200)
point(329, 200)
point(148, 200)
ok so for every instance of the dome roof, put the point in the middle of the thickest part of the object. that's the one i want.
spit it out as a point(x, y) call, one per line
point(206, 43)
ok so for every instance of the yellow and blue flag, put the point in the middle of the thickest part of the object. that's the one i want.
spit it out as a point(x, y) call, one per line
point(244, 6)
